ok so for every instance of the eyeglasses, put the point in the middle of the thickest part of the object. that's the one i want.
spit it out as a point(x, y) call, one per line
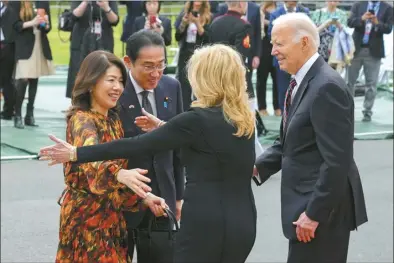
point(150, 69)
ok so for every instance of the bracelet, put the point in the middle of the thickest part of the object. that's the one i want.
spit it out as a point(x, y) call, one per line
point(73, 154)
point(107, 12)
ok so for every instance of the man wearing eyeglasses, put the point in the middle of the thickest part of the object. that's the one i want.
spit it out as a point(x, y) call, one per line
point(160, 95)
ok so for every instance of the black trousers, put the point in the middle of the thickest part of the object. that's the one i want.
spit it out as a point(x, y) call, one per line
point(265, 68)
point(330, 245)
point(7, 62)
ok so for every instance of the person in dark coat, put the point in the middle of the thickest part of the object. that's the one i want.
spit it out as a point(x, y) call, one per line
point(191, 25)
point(216, 137)
point(152, 20)
point(266, 67)
point(32, 54)
point(134, 10)
point(322, 198)
point(93, 22)
point(8, 16)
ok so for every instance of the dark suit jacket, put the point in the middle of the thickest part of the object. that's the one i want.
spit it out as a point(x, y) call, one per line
point(164, 167)
point(7, 21)
point(253, 16)
point(315, 154)
point(134, 10)
point(277, 13)
point(139, 24)
point(376, 43)
point(25, 38)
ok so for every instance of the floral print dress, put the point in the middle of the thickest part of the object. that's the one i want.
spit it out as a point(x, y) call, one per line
point(92, 227)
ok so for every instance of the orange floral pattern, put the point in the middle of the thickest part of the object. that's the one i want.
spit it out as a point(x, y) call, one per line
point(92, 227)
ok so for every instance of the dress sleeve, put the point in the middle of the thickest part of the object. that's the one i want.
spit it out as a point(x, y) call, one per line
point(101, 175)
point(179, 132)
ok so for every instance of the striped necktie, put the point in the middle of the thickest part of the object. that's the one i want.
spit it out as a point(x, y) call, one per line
point(289, 91)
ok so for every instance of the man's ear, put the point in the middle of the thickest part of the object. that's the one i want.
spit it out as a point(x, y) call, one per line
point(127, 62)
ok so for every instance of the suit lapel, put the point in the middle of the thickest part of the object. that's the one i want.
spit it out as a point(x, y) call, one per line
point(301, 91)
point(129, 100)
point(160, 99)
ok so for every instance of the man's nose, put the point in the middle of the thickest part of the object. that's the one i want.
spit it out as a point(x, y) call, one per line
point(274, 52)
point(155, 73)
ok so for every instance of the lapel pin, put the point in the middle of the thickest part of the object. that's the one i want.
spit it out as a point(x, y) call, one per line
point(131, 106)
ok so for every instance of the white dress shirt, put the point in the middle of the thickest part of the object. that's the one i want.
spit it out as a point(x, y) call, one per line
point(139, 90)
point(300, 75)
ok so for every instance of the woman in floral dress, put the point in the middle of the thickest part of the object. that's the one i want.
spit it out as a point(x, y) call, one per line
point(92, 227)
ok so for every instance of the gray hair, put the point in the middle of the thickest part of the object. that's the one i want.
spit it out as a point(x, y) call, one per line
point(302, 25)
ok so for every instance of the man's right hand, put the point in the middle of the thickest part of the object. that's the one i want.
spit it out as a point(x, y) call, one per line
point(135, 180)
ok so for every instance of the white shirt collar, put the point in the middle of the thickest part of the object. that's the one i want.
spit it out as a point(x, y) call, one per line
point(137, 87)
point(299, 76)
point(285, 7)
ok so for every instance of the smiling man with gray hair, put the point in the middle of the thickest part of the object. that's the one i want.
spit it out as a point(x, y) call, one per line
point(321, 193)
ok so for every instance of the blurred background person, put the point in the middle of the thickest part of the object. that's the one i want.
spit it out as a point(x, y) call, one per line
point(92, 226)
point(32, 54)
point(152, 20)
point(191, 26)
point(328, 19)
point(134, 10)
point(370, 21)
point(93, 22)
point(252, 15)
point(282, 77)
point(266, 67)
point(7, 58)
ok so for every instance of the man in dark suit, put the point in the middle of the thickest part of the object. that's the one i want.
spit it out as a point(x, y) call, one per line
point(322, 198)
point(7, 58)
point(134, 10)
point(160, 95)
point(231, 29)
point(252, 15)
point(370, 21)
point(282, 77)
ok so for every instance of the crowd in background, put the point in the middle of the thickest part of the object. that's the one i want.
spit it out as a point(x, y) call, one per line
point(26, 54)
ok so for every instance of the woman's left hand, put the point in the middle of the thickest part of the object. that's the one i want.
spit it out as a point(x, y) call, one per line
point(57, 153)
point(148, 122)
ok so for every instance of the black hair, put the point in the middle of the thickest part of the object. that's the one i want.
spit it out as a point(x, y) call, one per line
point(144, 7)
point(141, 39)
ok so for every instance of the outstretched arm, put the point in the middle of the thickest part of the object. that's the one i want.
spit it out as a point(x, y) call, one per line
point(178, 132)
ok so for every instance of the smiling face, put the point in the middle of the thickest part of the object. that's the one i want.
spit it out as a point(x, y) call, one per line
point(288, 52)
point(148, 68)
point(106, 92)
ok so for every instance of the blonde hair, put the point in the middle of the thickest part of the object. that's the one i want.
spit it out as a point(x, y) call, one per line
point(26, 11)
point(217, 75)
point(205, 11)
